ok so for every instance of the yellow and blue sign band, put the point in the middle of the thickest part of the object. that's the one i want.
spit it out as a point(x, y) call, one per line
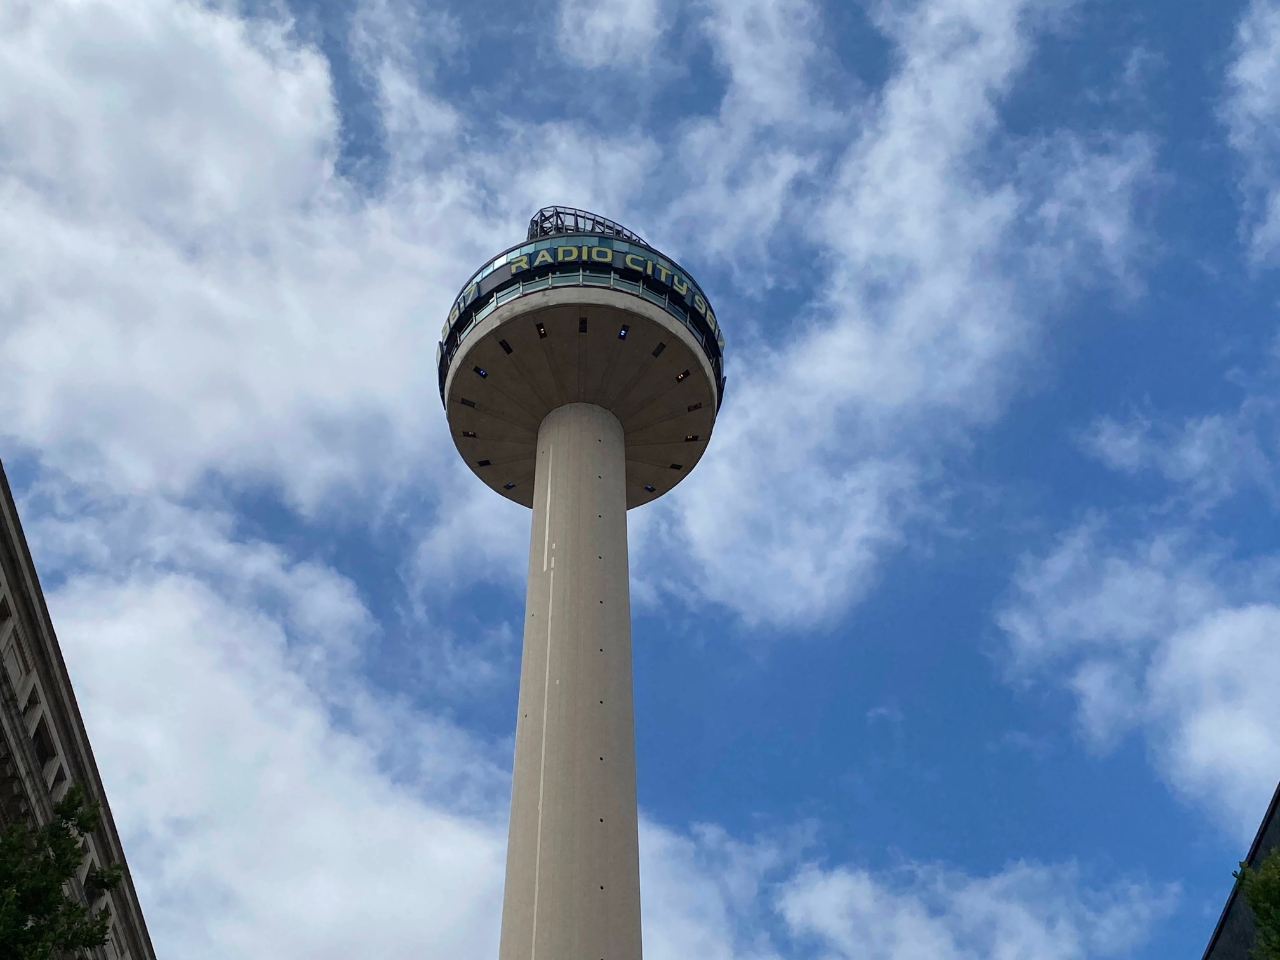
point(589, 260)
point(588, 252)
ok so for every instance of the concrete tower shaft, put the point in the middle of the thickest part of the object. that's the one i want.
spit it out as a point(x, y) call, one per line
point(573, 875)
point(581, 373)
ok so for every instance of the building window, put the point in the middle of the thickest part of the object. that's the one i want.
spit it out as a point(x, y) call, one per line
point(43, 742)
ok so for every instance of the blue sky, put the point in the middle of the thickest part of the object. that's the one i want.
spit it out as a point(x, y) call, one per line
point(960, 643)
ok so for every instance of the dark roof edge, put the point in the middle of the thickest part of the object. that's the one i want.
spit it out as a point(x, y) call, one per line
point(1249, 858)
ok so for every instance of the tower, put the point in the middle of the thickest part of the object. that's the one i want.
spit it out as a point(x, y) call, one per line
point(581, 373)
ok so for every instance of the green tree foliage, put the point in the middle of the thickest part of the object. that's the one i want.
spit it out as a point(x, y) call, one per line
point(38, 920)
point(1261, 889)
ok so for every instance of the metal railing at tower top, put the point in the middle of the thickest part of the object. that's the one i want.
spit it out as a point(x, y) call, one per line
point(550, 221)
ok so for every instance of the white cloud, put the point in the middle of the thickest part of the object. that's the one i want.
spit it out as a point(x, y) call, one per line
point(938, 279)
point(171, 307)
point(1207, 458)
point(1025, 911)
point(1167, 637)
point(723, 899)
point(255, 825)
point(1087, 213)
point(1218, 677)
point(274, 805)
point(776, 126)
point(707, 894)
point(1155, 625)
point(189, 286)
point(769, 50)
point(1251, 111)
point(609, 33)
point(192, 291)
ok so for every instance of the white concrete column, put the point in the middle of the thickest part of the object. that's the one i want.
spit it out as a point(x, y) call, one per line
point(573, 873)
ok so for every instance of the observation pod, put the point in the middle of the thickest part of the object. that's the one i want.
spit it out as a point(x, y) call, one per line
point(581, 373)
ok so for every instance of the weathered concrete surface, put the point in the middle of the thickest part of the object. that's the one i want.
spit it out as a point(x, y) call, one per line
point(573, 875)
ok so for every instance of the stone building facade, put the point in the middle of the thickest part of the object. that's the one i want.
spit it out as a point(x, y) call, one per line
point(43, 744)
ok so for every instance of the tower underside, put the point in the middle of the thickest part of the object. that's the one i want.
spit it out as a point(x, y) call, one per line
point(573, 874)
point(547, 349)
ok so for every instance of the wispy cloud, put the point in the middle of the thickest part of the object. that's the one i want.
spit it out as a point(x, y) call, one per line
point(617, 35)
point(938, 278)
point(1251, 110)
point(1205, 460)
point(926, 912)
point(224, 304)
point(1154, 622)
point(273, 804)
point(1162, 636)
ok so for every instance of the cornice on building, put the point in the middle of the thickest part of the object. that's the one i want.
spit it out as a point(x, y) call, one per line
point(44, 746)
